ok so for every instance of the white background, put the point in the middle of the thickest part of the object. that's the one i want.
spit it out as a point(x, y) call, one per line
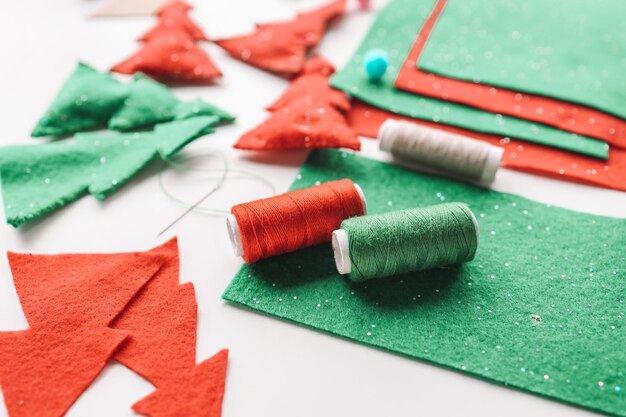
point(276, 369)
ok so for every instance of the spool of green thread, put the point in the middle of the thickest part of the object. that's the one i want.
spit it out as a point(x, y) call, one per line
point(402, 241)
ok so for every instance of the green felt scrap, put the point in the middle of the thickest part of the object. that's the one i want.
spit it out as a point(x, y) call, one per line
point(93, 100)
point(541, 307)
point(148, 102)
point(37, 179)
point(394, 31)
point(86, 101)
point(573, 51)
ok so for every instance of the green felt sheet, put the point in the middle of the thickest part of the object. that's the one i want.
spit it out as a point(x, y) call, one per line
point(394, 31)
point(540, 308)
point(37, 179)
point(574, 50)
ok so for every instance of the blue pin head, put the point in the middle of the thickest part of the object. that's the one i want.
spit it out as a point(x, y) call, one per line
point(375, 63)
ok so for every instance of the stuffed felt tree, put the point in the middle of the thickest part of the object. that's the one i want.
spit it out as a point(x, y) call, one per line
point(93, 100)
point(310, 114)
point(86, 101)
point(169, 50)
point(174, 15)
point(150, 102)
point(37, 179)
point(282, 47)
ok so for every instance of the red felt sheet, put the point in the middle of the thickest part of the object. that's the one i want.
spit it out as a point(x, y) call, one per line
point(563, 115)
point(518, 155)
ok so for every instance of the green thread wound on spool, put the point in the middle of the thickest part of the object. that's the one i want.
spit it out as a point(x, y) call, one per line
point(410, 240)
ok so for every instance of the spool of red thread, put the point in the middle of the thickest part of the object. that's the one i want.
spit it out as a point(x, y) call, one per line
point(294, 220)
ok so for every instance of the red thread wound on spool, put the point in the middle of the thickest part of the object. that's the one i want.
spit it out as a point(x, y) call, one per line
point(295, 220)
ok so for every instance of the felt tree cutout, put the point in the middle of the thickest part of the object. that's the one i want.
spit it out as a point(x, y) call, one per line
point(282, 47)
point(310, 114)
point(86, 101)
point(44, 371)
point(197, 393)
point(162, 346)
point(83, 309)
point(38, 179)
point(170, 51)
point(162, 308)
point(93, 100)
point(68, 300)
point(174, 15)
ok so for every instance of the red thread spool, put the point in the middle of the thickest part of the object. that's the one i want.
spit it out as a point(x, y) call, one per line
point(294, 220)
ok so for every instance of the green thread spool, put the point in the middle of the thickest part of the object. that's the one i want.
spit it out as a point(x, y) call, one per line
point(402, 241)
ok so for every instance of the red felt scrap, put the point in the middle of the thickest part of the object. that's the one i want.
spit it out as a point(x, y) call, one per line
point(563, 115)
point(68, 300)
point(310, 114)
point(90, 288)
point(161, 347)
point(197, 393)
point(282, 47)
point(162, 321)
point(518, 155)
point(173, 15)
point(43, 371)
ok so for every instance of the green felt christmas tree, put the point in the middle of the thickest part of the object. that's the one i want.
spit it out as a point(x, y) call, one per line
point(151, 102)
point(37, 179)
point(148, 102)
point(92, 100)
point(86, 101)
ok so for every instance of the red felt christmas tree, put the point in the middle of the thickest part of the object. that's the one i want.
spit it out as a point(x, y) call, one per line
point(69, 300)
point(282, 47)
point(161, 346)
point(310, 114)
point(174, 15)
point(170, 51)
point(83, 310)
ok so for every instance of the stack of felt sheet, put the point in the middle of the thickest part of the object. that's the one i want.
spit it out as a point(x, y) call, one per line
point(543, 80)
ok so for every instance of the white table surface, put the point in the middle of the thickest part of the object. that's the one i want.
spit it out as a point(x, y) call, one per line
point(276, 369)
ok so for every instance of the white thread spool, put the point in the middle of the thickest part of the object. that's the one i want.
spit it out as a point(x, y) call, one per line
point(465, 157)
point(235, 233)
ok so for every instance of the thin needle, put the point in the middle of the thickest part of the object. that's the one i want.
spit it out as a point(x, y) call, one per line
point(193, 206)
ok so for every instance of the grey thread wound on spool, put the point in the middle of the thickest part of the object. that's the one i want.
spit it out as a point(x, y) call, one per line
point(465, 157)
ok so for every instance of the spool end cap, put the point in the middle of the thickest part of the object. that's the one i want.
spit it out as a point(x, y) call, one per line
point(234, 234)
point(341, 251)
point(492, 164)
point(362, 195)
